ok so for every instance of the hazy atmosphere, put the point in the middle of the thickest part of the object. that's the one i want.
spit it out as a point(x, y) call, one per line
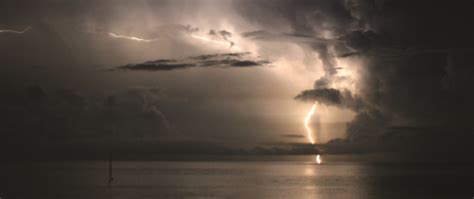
point(183, 79)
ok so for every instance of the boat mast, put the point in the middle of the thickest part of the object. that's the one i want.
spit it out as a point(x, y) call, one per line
point(110, 169)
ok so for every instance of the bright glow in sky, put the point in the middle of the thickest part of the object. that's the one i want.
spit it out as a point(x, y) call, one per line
point(216, 42)
point(131, 38)
point(16, 31)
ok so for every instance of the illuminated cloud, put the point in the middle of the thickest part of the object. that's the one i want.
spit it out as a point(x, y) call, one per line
point(226, 42)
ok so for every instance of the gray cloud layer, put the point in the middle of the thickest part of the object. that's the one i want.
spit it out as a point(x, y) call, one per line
point(213, 60)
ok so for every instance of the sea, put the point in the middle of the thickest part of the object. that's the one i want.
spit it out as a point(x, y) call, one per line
point(298, 177)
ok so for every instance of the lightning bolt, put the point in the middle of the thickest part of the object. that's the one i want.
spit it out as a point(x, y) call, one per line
point(308, 129)
point(214, 41)
point(307, 119)
point(131, 38)
point(152, 40)
point(15, 31)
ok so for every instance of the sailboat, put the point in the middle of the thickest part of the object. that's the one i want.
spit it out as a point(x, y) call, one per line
point(111, 178)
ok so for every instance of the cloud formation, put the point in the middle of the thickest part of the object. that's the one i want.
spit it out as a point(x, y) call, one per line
point(237, 60)
point(222, 34)
point(65, 114)
point(406, 50)
point(411, 62)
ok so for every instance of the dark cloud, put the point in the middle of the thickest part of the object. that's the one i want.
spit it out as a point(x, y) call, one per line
point(367, 125)
point(247, 63)
point(348, 54)
point(297, 136)
point(65, 114)
point(157, 65)
point(285, 149)
point(222, 35)
point(226, 34)
point(213, 60)
point(333, 97)
point(409, 51)
point(324, 95)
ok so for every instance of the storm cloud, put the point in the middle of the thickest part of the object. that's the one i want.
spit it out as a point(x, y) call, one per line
point(395, 65)
point(408, 53)
point(213, 60)
point(65, 114)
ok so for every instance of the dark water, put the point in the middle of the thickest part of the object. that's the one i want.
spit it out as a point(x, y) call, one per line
point(299, 178)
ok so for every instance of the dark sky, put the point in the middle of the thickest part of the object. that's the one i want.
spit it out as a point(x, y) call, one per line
point(223, 74)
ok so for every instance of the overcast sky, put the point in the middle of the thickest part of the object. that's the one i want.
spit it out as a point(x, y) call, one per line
point(240, 72)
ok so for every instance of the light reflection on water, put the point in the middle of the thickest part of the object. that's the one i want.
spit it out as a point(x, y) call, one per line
point(242, 179)
point(245, 180)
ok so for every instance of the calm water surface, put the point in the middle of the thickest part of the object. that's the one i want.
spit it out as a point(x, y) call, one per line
point(297, 179)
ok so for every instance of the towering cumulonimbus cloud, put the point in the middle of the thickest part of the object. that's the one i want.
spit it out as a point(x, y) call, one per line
point(329, 29)
point(404, 78)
